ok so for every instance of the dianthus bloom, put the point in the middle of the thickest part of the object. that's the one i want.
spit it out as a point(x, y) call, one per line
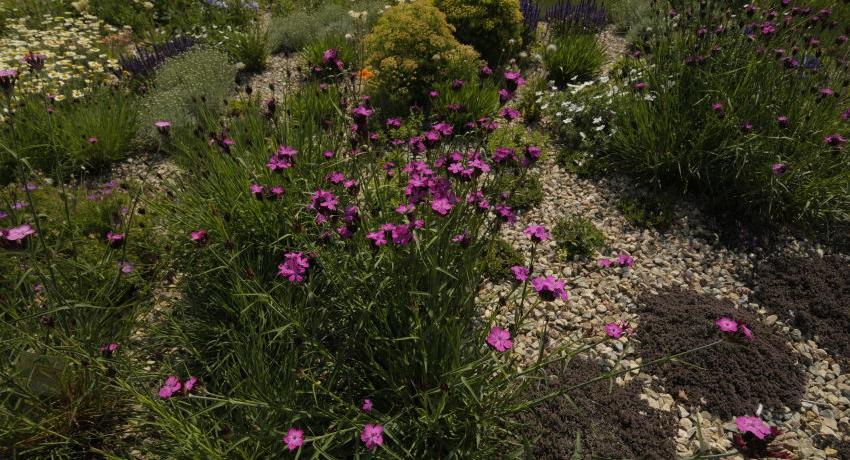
point(115, 239)
point(726, 324)
point(616, 330)
point(510, 113)
point(198, 236)
point(19, 233)
point(550, 288)
point(172, 385)
point(536, 233)
point(520, 273)
point(294, 439)
point(294, 266)
point(366, 406)
point(748, 333)
point(834, 140)
point(779, 169)
point(108, 349)
point(163, 126)
point(499, 339)
point(442, 206)
point(372, 435)
point(752, 425)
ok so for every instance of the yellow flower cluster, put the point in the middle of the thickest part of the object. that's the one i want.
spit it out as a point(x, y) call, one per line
point(75, 50)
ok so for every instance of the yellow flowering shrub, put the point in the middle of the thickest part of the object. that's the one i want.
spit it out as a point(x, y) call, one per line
point(487, 25)
point(411, 49)
point(75, 49)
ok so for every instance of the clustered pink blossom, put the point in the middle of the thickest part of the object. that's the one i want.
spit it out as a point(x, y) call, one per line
point(294, 266)
point(550, 288)
point(728, 325)
point(173, 386)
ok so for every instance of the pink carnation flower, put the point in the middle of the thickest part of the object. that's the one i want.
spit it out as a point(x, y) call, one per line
point(499, 339)
point(372, 435)
point(294, 439)
point(752, 425)
point(726, 324)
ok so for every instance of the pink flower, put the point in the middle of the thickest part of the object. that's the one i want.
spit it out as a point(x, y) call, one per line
point(779, 169)
point(520, 273)
point(163, 126)
point(640, 86)
point(726, 324)
point(752, 425)
point(499, 339)
point(198, 236)
point(605, 263)
point(537, 233)
point(115, 239)
point(294, 439)
point(746, 331)
point(92, 140)
point(125, 267)
point(615, 330)
point(108, 349)
point(294, 266)
point(550, 288)
point(441, 206)
point(171, 386)
point(372, 435)
point(378, 238)
point(189, 384)
point(834, 140)
point(19, 233)
point(625, 260)
point(366, 406)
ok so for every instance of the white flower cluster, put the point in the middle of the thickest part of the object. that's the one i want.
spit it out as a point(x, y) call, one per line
point(76, 54)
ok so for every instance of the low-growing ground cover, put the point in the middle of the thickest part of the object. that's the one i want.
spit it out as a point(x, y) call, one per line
point(349, 229)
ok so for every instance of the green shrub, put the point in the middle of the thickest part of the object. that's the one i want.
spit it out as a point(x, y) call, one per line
point(515, 135)
point(490, 26)
point(704, 117)
point(497, 260)
point(90, 133)
point(199, 75)
point(574, 58)
point(250, 47)
point(647, 210)
point(411, 49)
point(64, 296)
point(578, 236)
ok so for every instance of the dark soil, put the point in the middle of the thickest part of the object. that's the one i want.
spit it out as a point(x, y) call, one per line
point(611, 421)
point(729, 379)
point(812, 295)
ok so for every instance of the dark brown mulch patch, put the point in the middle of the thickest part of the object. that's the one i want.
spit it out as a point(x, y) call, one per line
point(729, 379)
point(612, 421)
point(812, 295)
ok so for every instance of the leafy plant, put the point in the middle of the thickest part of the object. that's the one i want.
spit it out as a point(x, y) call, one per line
point(578, 236)
point(493, 27)
point(498, 258)
point(763, 141)
point(401, 52)
point(250, 47)
point(202, 74)
point(574, 58)
point(647, 210)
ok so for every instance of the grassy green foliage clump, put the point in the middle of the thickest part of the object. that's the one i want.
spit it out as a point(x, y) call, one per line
point(64, 137)
point(498, 258)
point(729, 115)
point(492, 27)
point(410, 49)
point(578, 236)
point(574, 58)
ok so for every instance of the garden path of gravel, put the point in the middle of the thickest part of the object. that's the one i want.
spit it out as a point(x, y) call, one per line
point(688, 255)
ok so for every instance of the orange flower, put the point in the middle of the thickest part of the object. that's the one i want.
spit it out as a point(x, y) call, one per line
point(365, 74)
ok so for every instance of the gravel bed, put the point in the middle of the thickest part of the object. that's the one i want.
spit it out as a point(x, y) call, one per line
point(687, 255)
